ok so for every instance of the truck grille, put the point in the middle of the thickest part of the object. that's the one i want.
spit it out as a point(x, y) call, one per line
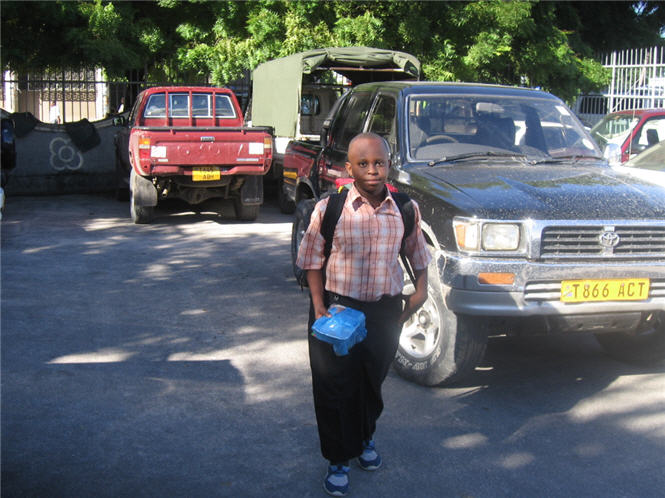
point(551, 290)
point(602, 241)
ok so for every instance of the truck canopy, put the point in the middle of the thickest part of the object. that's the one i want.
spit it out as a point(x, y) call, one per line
point(277, 84)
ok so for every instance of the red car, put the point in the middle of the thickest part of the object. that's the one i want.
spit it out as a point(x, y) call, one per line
point(191, 143)
point(623, 134)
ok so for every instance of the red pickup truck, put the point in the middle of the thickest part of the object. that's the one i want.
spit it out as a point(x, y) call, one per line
point(191, 143)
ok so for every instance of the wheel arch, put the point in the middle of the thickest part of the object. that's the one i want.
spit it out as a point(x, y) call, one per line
point(305, 190)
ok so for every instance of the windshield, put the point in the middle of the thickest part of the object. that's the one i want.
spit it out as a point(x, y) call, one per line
point(614, 129)
point(444, 126)
point(652, 158)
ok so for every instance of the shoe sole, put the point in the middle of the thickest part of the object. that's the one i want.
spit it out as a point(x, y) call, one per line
point(334, 493)
point(368, 468)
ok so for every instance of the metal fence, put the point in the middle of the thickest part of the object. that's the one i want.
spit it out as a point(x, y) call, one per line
point(638, 82)
point(82, 94)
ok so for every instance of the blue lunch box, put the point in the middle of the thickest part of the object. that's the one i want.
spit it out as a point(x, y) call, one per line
point(344, 329)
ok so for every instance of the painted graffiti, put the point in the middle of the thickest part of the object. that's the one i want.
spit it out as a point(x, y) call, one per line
point(64, 155)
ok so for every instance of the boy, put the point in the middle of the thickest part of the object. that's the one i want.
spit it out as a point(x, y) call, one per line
point(362, 272)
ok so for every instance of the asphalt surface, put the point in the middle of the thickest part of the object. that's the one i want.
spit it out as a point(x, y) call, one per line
point(170, 360)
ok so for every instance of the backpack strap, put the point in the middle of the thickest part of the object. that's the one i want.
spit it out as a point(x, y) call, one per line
point(330, 219)
point(408, 213)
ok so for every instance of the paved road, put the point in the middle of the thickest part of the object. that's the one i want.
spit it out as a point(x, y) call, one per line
point(170, 360)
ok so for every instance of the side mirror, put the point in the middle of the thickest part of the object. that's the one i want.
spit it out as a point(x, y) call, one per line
point(612, 153)
point(324, 133)
point(120, 121)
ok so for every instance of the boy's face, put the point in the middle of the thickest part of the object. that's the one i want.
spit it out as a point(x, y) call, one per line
point(368, 164)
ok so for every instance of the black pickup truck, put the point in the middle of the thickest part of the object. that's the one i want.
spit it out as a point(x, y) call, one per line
point(531, 231)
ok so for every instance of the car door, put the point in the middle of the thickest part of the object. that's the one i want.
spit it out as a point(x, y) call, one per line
point(350, 121)
point(122, 138)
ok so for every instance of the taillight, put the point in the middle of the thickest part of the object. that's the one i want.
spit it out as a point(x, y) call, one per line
point(144, 155)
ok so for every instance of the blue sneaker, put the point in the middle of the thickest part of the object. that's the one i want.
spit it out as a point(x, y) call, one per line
point(336, 482)
point(369, 459)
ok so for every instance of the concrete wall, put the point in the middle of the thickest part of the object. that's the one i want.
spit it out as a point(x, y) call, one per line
point(48, 162)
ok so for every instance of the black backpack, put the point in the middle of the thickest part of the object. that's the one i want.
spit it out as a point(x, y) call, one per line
point(333, 213)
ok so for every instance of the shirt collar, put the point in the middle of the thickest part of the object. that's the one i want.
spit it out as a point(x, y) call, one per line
point(356, 199)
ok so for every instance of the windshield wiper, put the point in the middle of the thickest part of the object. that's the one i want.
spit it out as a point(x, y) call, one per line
point(560, 159)
point(474, 155)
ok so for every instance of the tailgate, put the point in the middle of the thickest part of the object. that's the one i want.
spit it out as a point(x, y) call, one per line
point(194, 147)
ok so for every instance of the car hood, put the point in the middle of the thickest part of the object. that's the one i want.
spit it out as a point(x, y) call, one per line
point(543, 191)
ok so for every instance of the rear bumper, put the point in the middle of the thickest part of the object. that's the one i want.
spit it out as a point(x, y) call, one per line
point(238, 169)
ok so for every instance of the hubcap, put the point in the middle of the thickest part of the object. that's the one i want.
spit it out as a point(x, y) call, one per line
point(420, 333)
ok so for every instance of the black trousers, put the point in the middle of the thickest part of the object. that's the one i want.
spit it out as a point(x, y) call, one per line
point(347, 389)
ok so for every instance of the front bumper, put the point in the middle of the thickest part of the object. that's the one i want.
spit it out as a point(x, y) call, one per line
point(537, 287)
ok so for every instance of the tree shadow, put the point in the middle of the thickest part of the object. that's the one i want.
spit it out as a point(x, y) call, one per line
point(542, 416)
point(161, 360)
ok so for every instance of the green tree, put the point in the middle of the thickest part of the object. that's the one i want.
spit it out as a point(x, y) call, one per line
point(546, 44)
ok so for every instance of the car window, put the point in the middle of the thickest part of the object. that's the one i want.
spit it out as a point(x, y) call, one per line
point(202, 106)
point(224, 107)
point(652, 158)
point(447, 125)
point(382, 120)
point(350, 121)
point(614, 128)
point(178, 105)
point(156, 106)
point(310, 105)
point(135, 108)
point(652, 132)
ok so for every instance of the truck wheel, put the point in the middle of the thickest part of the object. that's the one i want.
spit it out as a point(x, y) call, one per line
point(245, 212)
point(139, 214)
point(304, 211)
point(438, 346)
point(286, 205)
point(647, 345)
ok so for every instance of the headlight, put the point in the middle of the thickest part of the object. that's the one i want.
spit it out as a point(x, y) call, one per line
point(501, 237)
point(478, 235)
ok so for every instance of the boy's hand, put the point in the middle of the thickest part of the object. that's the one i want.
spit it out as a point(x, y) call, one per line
point(320, 311)
point(315, 283)
point(417, 299)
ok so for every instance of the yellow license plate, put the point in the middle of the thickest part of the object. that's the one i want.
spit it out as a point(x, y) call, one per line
point(620, 289)
point(205, 174)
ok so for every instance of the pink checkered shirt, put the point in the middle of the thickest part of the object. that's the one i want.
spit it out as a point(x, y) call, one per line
point(364, 259)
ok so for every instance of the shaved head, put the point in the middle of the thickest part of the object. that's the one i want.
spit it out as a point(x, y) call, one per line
point(370, 136)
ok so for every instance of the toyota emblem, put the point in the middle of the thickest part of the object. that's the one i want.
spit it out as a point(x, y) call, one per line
point(609, 239)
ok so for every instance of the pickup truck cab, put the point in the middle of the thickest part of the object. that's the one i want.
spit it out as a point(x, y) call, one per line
point(190, 143)
point(624, 134)
point(531, 231)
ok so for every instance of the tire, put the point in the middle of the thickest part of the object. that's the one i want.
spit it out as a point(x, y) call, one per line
point(437, 346)
point(304, 210)
point(139, 214)
point(245, 212)
point(286, 205)
point(646, 345)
